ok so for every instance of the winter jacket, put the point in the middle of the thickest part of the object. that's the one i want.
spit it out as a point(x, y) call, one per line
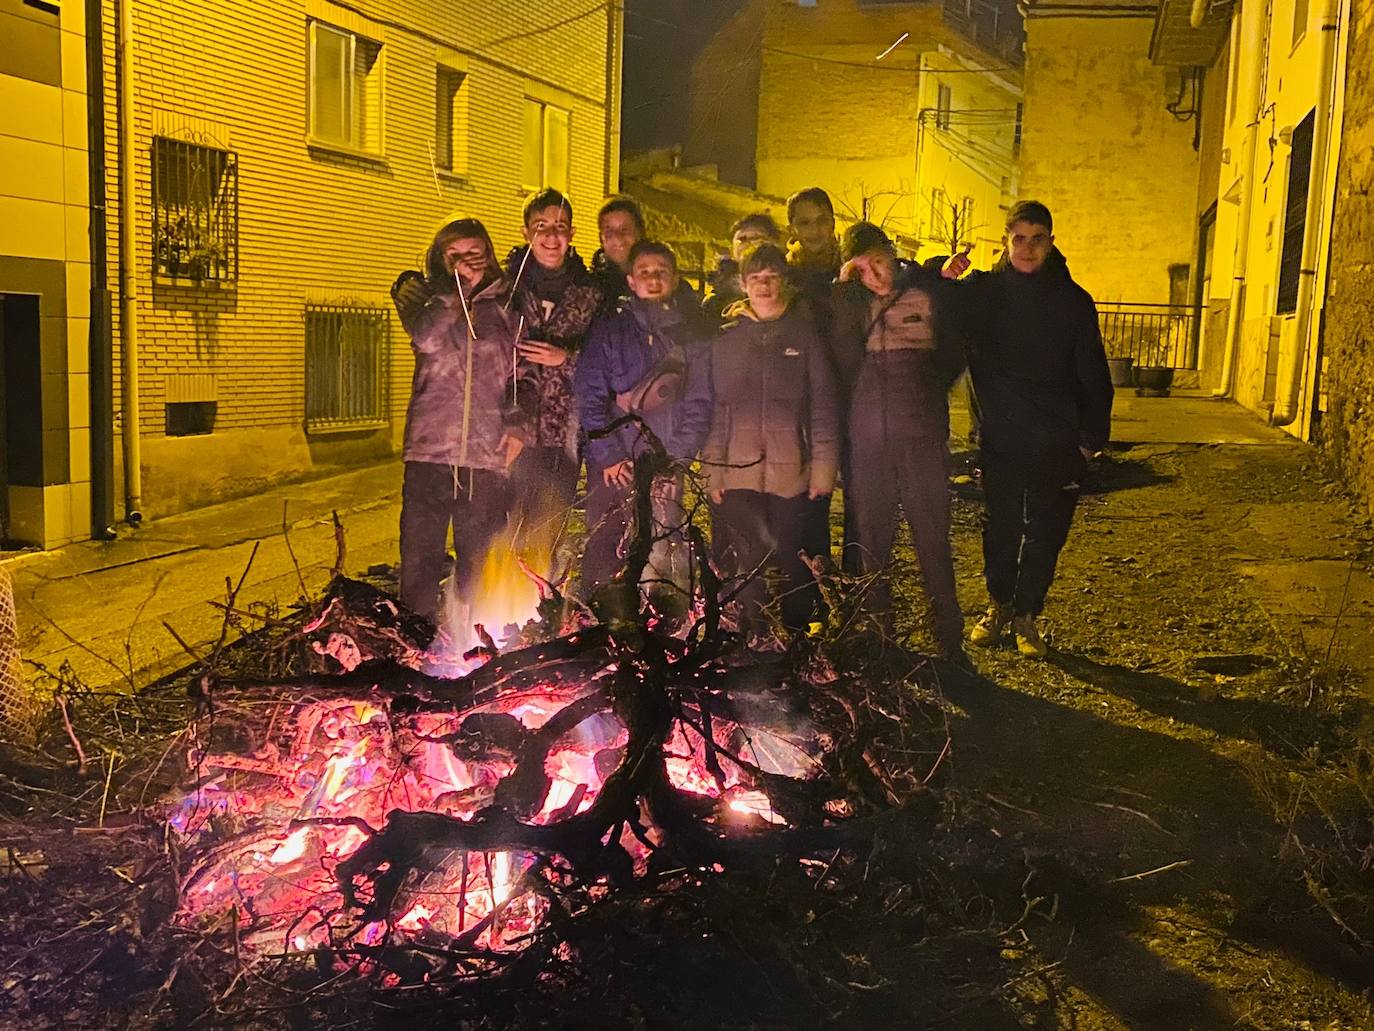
point(775, 415)
point(896, 357)
point(652, 360)
point(557, 308)
point(1038, 366)
point(461, 396)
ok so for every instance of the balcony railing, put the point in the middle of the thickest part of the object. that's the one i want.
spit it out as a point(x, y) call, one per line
point(1152, 334)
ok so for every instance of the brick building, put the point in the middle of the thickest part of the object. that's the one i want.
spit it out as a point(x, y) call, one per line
point(907, 113)
point(45, 254)
point(272, 167)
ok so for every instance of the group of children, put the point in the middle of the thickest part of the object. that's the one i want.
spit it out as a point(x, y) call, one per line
point(827, 360)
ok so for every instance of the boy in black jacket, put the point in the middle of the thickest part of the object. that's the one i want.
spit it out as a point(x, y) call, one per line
point(1041, 376)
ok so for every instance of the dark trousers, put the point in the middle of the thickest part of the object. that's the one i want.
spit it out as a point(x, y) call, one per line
point(545, 481)
point(609, 513)
point(434, 497)
point(608, 516)
point(911, 475)
point(750, 528)
point(816, 527)
point(1026, 521)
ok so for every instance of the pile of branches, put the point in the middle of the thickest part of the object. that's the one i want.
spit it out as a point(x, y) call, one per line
point(877, 711)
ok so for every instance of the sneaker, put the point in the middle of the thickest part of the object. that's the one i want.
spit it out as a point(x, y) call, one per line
point(991, 626)
point(1029, 643)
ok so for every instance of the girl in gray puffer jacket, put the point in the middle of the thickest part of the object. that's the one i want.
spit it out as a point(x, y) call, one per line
point(463, 426)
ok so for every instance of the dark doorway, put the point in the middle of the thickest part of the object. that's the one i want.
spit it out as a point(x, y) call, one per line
point(21, 416)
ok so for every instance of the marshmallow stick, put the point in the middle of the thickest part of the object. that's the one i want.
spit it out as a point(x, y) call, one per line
point(467, 312)
point(515, 360)
point(518, 273)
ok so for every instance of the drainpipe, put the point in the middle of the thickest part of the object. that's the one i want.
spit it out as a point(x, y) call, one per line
point(615, 34)
point(1198, 14)
point(1252, 16)
point(128, 271)
point(100, 342)
point(1287, 409)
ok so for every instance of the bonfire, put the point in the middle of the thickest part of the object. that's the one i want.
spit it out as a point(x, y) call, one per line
point(413, 808)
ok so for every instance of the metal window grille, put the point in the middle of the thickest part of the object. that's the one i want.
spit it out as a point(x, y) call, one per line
point(345, 366)
point(195, 211)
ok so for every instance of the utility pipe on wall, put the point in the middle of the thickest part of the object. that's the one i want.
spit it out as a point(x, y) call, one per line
point(1312, 235)
point(99, 343)
point(1252, 53)
point(1198, 13)
point(128, 271)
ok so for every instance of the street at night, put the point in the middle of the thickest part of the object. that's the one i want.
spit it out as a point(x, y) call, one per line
point(754, 514)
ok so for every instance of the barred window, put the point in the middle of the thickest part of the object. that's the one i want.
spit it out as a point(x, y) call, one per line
point(195, 211)
point(345, 366)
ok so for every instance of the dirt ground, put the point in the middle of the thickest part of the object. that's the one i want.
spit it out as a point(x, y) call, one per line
point(1160, 828)
point(1120, 755)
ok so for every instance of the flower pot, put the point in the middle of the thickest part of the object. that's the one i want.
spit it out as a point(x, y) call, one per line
point(1121, 371)
point(1153, 380)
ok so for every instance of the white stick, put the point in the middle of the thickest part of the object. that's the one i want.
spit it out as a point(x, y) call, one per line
point(518, 273)
point(467, 312)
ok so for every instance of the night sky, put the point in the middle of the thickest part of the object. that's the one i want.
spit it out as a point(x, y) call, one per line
point(662, 39)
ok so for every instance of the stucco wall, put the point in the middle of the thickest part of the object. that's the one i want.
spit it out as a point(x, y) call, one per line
point(1117, 170)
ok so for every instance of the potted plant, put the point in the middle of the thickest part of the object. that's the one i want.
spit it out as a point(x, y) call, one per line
point(1121, 371)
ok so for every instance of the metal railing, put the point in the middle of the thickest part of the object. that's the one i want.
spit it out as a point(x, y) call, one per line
point(195, 211)
point(1152, 334)
point(345, 367)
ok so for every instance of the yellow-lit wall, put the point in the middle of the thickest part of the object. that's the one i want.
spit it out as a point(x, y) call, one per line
point(318, 225)
point(1116, 169)
point(1289, 90)
point(43, 219)
point(830, 114)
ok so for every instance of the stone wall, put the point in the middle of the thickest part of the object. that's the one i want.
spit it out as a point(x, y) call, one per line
point(1348, 348)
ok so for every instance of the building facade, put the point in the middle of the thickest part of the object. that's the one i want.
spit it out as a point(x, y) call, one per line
point(1102, 148)
point(908, 114)
point(271, 168)
point(45, 274)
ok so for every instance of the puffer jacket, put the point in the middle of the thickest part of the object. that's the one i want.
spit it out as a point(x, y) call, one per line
point(897, 357)
point(546, 392)
point(462, 392)
point(1038, 366)
point(775, 420)
point(653, 360)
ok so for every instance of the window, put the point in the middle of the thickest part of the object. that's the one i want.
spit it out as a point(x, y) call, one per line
point(190, 418)
point(546, 146)
point(939, 214)
point(345, 367)
point(450, 120)
point(1295, 217)
point(345, 89)
point(943, 104)
point(195, 211)
point(1300, 8)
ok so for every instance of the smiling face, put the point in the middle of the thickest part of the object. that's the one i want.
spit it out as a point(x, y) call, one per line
point(653, 278)
point(1028, 245)
point(813, 227)
point(549, 232)
point(619, 232)
point(468, 257)
point(764, 289)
